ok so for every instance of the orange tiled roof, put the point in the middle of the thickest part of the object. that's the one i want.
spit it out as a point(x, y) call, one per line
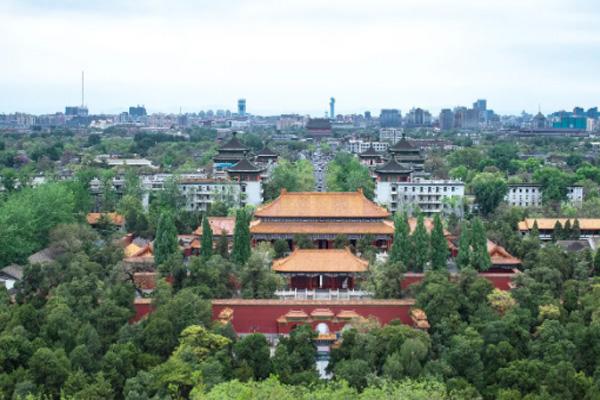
point(322, 313)
point(313, 260)
point(218, 225)
point(116, 219)
point(145, 280)
point(322, 204)
point(500, 256)
point(334, 228)
point(296, 314)
point(348, 314)
point(548, 223)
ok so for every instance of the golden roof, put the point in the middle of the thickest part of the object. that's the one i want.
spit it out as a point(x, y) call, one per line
point(296, 314)
point(548, 223)
point(114, 218)
point(500, 256)
point(218, 225)
point(348, 314)
point(332, 228)
point(314, 260)
point(322, 313)
point(322, 204)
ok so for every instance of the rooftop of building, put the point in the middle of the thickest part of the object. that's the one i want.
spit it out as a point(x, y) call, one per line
point(219, 225)
point(112, 217)
point(295, 302)
point(233, 144)
point(244, 165)
point(394, 167)
point(548, 223)
point(321, 204)
point(316, 260)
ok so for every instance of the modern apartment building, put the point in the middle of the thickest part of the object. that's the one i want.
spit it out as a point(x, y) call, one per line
point(530, 195)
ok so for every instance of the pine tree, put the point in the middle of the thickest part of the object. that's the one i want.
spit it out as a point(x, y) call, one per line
point(222, 245)
point(206, 246)
point(567, 231)
point(596, 263)
point(240, 252)
point(535, 231)
point(400, 250)
point(575, 230)
point(480, 258)
point(439, 245)
point(420, 245)
point(557, 233)
point(463, 260)
point(165, 243)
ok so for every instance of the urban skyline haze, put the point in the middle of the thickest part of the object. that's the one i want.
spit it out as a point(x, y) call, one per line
point(293, 56)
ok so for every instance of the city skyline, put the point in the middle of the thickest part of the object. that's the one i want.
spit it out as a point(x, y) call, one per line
point(293, 58)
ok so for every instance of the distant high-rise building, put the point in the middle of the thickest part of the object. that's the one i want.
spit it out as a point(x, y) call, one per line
point(417, 117)
point(446, 119)
point(578, 111)
point(368, 115)
point(480, 105)
point(137, 111)
point(390, 118)
point(76, 111)
point(242, 107)
point(332, 108)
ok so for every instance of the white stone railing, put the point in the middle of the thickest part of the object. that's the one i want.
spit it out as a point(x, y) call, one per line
point(323, 294)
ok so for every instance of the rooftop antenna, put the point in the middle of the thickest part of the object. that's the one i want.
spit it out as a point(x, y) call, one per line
point(82, 89)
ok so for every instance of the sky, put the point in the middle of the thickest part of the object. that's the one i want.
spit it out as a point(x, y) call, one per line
point(291, 56)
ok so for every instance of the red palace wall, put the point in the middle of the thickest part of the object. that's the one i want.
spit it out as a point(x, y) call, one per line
point(261, 315)
point(142, 308)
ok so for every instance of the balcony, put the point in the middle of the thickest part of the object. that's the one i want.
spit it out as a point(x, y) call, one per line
point(323, 294)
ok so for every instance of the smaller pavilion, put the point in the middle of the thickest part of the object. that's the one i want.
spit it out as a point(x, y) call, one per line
point(333, 269)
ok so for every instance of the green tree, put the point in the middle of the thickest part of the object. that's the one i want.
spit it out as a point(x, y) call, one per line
point(281, 248)
point(575, 230)
point(303, 242)
point(295, 356)
point(387, 279)
point(480, 258)
point(340, 241)
point(489, 190)
point(136, 221)
point(420, 245)
point(463, 259)
point(346, 174)
point(401, 249)
point(223, 245)
point(257, 279)
point(206, 246)
point(439, 245)
point(240, 252)
point(557, 232)
point(293, 177)
point(165, 244)
point(49, 369)
point(252, 351)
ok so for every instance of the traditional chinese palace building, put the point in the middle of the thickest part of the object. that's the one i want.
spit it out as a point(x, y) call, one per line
point(230, 153)
point(321, 216)
point(332, 269)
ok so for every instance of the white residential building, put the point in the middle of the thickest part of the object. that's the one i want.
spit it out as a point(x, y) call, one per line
point(357, 146)
point(390, 135)
point(429, 196)
point(530, 195)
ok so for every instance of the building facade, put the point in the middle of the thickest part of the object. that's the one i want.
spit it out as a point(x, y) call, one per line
point(428, 196)
point(530, 195)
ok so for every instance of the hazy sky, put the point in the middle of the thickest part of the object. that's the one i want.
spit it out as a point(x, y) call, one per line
point(292, 55)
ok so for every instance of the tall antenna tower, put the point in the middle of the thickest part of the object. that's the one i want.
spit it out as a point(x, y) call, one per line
point(82, 89)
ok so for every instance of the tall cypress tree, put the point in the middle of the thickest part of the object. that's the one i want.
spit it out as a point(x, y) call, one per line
point(480, 259)
point(420, 245)
point(222, 245)
point(557, 232)
point(165, 243)
point(463, 260)
point(576, 230)
point(206, 246)
point(535, 231)
point(567, 231)
point(439, 246)
point(400, 251)
point(240, 252)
